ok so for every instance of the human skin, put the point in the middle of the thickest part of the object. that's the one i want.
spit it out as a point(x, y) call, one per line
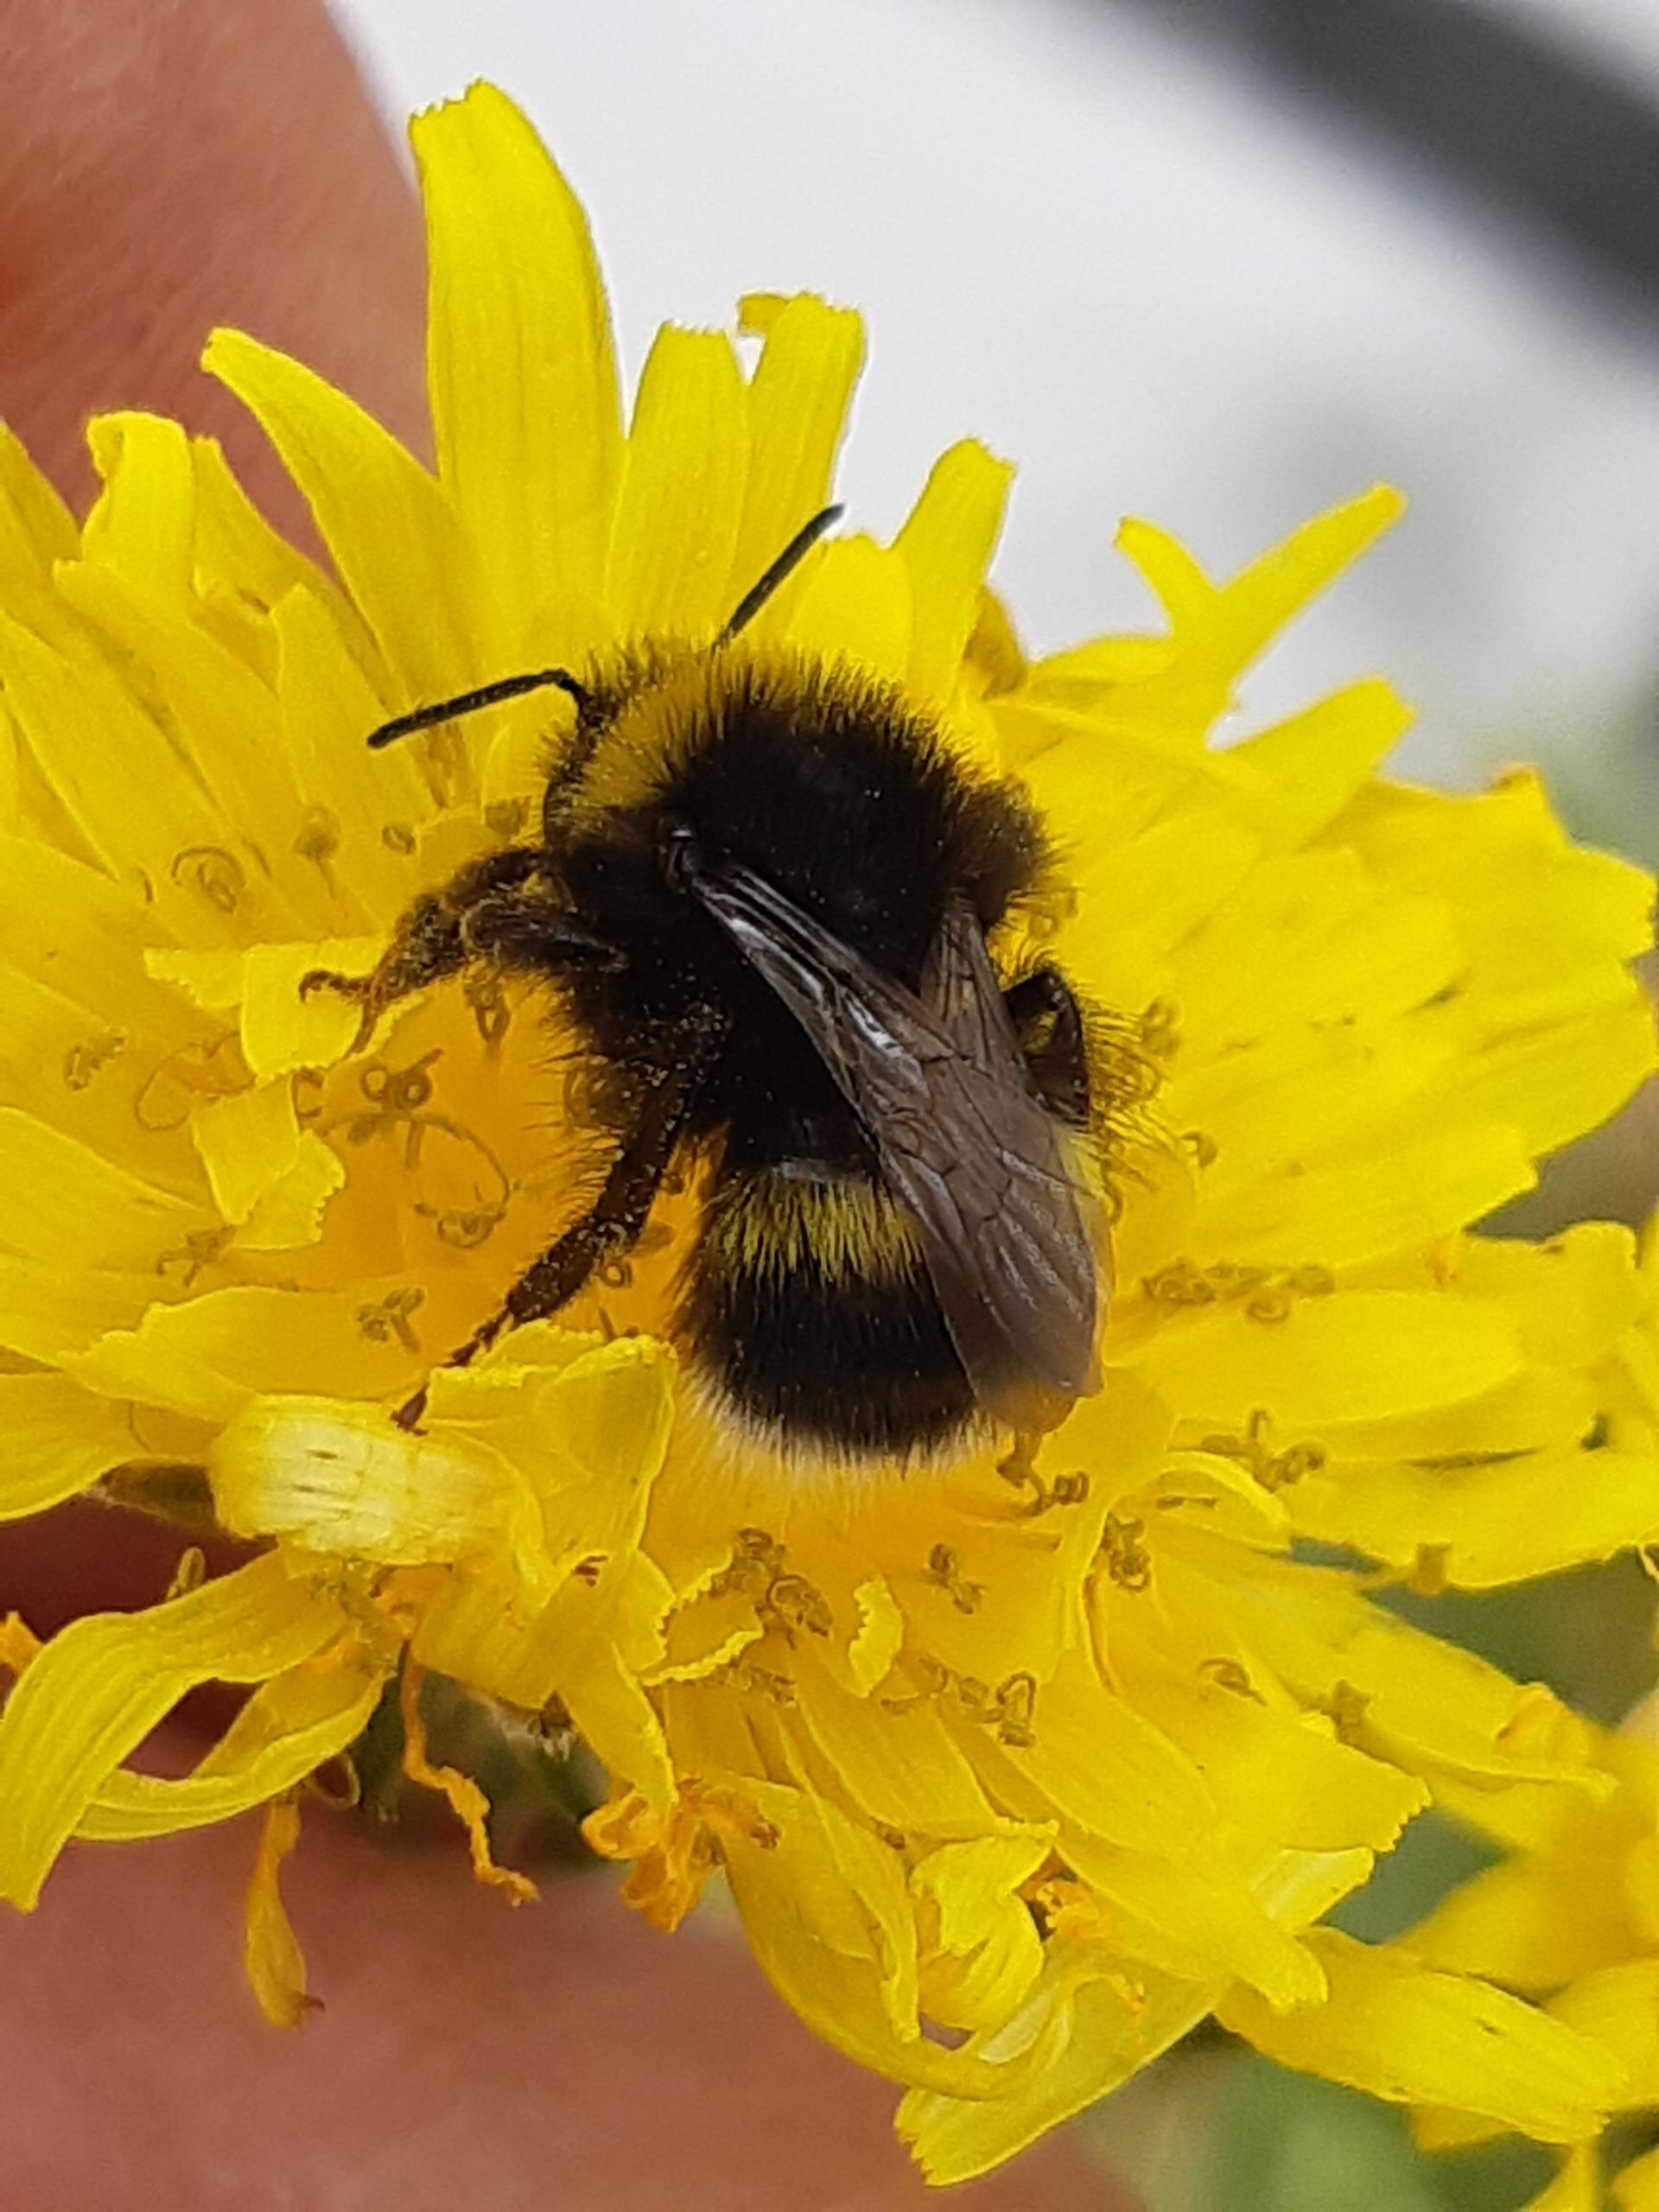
point(166, 165)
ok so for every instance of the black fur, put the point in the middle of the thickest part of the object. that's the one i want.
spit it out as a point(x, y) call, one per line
point(833, 789)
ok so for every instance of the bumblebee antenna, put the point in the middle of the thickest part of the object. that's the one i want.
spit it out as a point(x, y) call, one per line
point(780, 571)
point(514, 687)
point(468, 702)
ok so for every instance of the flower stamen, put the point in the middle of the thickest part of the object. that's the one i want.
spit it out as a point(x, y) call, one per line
point(199, 1071)
point(1269, 1294)
point(1229, 1674)
point(1128, 1560)
point(214, 873)
point(470, 1805)
point(791, 1604)
point(83, 1063)
point(944, 1569)
point(318, 841)
point(190, 1572)
point(391, 1317)
point(1019, 1470)
point(200, 1247)
point(1275, 1470)
point(1159, 1034)
point(488, 1000)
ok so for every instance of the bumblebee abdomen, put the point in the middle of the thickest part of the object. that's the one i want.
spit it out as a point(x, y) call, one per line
point(807, 1306)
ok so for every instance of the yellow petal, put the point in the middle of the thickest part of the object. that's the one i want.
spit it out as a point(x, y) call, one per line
point(902, 1768)
point(876, 1641)
point(1636, 2187)
point(1547, 927)
point(946, 546)
point(1289, 1777)
point(1327, 945)
point(271, 1954)
point(587, 1425)
point(1293, 777)
point(104, 1681)
point(590, 1645)
point(1358, 1356)
point(1556, 1081)
point(142, 525)
point(1184, 593)
point(290, 1212)
point(1081, 2037)
point(1099, 1764)
point(344, 1478)
point(987, 1956)
point(1618, 2008)
point(517, 308)
point(55, 1440)
point(855, 606)
point(682, 493)
point(1489, 1525)
point(1537, 1409)
point(248, 1142)
point(289, 1727)
point(1344, 1212)
point(394, 536)
point(1216, 632)
point(50, 1315)
point(19, 1645)
point(1261, 598)
point(234, 540)
point(1140, 897)
point(829, 1918)
point(798, 398)
point(208, 1355)
point(328, 706)
point(1576, 2188)
point(67, 925)
point(1399, 1694)
point(223, 721)
point(59, 1197)
point(1401, 2032)
point(1189, 1912)
point(1571, 1298)
point(1530, 1924)
point(121, 784)
point(37, 527)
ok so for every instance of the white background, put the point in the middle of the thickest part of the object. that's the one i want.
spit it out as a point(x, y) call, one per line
point(1155, 283)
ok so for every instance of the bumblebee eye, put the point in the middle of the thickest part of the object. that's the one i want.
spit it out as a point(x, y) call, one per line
point(680, 852)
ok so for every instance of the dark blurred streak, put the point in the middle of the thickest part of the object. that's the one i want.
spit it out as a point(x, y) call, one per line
point(1552, 136)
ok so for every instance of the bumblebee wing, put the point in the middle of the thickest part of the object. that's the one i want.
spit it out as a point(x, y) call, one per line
point(1045, 1324)
point(959, 1136)
point(961, 985)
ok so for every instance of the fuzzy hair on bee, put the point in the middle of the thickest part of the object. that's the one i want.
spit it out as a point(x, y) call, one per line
point(762, 891)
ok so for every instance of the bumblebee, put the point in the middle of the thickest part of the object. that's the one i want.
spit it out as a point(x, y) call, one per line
point(762, 890)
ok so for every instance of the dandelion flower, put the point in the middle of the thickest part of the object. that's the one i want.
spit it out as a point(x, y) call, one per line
point(1016, 1767)
point(1568, 1917)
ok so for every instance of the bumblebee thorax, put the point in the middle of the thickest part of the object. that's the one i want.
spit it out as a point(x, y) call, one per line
point(829, 782)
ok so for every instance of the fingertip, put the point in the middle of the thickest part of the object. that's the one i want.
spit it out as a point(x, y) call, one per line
point(173, 167)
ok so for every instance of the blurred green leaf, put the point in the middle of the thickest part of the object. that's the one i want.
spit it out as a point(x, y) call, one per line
point(1286, 2142)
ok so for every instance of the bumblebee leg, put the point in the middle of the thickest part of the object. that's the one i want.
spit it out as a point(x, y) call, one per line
point(430, 943)
point(1049, 1024)
point(529, 935)
point(612, 1225)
